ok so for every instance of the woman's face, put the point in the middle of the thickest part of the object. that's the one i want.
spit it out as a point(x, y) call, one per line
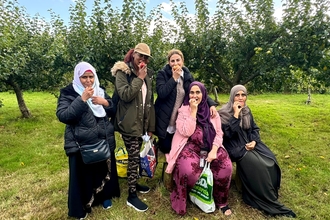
point(140, 58)
point(196, 93)
point(87, 79)
point(176, 59)
point(240, 97)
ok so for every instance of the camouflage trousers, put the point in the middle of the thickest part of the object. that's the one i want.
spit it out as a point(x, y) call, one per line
point(133, 146)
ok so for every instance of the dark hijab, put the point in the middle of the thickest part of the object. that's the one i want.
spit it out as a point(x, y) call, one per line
point(203, 116)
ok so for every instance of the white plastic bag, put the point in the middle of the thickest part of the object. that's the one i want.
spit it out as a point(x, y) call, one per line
point(202, 192)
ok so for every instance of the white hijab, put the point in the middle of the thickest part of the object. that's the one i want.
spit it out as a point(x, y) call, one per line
point(79, 70)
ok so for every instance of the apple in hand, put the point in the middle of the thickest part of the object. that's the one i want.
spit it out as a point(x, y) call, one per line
point(175, 67)
point(141, 65)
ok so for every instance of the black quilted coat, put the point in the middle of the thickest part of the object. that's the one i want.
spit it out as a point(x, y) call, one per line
point(79, 118)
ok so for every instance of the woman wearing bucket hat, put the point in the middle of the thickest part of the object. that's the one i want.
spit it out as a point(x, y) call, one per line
point(135, 114)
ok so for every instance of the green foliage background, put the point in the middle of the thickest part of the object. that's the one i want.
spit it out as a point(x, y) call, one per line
point(241, 43)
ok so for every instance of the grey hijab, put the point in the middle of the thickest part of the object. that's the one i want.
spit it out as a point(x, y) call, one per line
point(226, 111)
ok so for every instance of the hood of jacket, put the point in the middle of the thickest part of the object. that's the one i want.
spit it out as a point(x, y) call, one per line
point(122, 66)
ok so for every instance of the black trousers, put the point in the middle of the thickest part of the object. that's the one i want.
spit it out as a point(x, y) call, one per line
point(165, 144)
point(84, 178)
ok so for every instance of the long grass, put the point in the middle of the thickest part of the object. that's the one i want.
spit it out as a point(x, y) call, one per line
point(34, 168)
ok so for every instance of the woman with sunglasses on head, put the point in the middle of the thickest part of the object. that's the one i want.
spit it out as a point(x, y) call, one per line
point(172, 83)
point(256, 164)
point(135, 114)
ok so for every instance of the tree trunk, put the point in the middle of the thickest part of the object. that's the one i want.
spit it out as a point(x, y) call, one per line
point(20, 100)
point(216, 95)
point(308, 101)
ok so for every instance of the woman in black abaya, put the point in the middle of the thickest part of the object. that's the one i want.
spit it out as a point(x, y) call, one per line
point(256, 164)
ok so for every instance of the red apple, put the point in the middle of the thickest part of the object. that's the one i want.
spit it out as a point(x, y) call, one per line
point(141, 65)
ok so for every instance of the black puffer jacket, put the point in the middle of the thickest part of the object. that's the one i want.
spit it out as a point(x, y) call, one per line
point(166, 96)
point(78, 117)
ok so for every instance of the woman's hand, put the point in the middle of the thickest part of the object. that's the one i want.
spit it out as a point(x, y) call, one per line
point(193, 104)
point(176, 72)
point(250, 146)
point(194, 107)
point(142, 73)
point(88, 93)
point(212, 154)
point(237, 109)
point(213, 111)
point(97, 100)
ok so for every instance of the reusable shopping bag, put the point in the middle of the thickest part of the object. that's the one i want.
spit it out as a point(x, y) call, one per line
point(202, 192)
point(148, 159)
point(121, 161)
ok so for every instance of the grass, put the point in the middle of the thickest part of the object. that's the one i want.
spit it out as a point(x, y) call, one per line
point(34, 168)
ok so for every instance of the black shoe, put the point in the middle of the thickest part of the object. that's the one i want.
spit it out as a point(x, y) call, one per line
point(142, 189)
point(83, 217)
point(136, 203)
point(291, 214)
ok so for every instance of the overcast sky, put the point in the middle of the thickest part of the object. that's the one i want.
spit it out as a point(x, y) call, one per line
point(61, 7)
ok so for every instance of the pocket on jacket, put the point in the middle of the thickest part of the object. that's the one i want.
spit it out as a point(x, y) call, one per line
point(125, 118)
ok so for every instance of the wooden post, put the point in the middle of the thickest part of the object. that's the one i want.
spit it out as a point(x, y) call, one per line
point(308, 101)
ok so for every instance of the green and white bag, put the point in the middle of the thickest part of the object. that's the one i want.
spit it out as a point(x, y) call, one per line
point(202, 192)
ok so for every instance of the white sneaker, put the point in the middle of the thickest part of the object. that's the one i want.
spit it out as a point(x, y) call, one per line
point(83, 217)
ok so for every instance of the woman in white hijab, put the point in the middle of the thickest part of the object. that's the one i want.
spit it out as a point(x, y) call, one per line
point(86, 83)
point(85, 108)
